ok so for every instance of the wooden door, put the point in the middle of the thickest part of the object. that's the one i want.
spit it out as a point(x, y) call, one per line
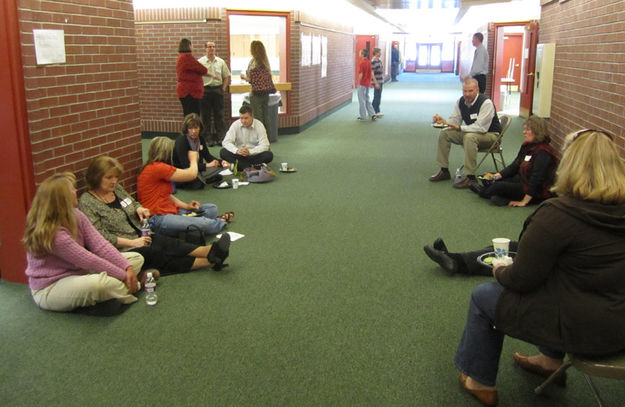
point(530, 40)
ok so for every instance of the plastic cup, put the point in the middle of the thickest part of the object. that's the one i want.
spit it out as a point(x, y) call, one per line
point(235, 183)
point(501, 246)
point(284, 166)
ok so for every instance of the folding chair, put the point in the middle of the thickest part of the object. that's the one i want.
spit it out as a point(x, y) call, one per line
point(612, 367)
point(496, 148)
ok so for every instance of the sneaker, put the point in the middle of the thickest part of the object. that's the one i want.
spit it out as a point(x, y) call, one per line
point(379, 114)
point(374, 118)
point(360, 119)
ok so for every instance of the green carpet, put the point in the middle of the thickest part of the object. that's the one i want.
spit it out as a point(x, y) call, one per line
point(329, 299)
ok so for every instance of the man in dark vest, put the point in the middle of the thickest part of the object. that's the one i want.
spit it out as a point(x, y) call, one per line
point(473, 124)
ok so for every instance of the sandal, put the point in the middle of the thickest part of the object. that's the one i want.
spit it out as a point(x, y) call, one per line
point(227, 217)
point(219, 252)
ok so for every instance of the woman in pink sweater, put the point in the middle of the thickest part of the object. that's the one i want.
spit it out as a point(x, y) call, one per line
point(70, 264)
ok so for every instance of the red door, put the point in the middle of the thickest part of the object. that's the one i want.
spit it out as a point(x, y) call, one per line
point(530, 39)
point(362, 42)
point(15, 156)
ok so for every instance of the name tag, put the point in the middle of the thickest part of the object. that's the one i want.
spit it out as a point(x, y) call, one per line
point(125, 202)
point(528, 157)
point(473, 116)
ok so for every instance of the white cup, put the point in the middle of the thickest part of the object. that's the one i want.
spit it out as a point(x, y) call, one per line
point(501, 245)
point(284, 166)
point(235, 183)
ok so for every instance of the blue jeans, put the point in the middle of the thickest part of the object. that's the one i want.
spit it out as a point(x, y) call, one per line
point(363, 102)
point(480, 347)
point(377, 98)
point(171, 225)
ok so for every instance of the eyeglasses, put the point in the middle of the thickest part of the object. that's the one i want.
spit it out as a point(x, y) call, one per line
point(585, 131)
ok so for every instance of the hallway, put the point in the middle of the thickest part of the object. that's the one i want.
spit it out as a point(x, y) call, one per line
point(329, 299)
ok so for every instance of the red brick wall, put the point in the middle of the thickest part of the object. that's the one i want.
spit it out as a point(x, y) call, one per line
point(313, 94)
point(158, 34)
point(589, 77)
point(89, 105)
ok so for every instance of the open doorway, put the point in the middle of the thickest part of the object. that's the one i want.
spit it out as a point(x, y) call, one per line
point(508, 67)
point(269, 28)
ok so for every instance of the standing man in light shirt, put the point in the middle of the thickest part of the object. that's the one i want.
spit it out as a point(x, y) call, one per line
point(479, 69)
point(215, 85)
point(246, 141)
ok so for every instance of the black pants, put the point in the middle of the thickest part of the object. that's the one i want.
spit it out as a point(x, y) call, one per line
point(167, 254)
point(212, 107)
point(481, 82)
point(468, 264)
point(245, 162)
point(190, 105)
point(509, 188)
point(377, 98)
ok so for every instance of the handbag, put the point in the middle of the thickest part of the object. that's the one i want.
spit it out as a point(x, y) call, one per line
point(194, 235)
point(261, 81)
point(259, 173)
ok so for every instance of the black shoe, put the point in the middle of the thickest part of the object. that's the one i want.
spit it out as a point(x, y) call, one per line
point(477, 188)
point(109, 308)
point(219, 252)
point(499, 200)
point(440, 245)
point(447, 263)
point(442, 175)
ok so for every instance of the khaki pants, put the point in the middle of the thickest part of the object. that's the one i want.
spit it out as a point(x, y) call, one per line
point(86, 290)
point(472, 142)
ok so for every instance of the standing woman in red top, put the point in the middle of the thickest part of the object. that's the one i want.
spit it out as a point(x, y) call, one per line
point(190, 87)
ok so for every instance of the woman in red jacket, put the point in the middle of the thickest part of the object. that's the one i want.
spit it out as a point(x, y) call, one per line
point(190, 87)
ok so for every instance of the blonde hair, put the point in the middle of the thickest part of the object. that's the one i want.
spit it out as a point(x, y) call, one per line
point(591, 169)
point(52, 208)
point(257, 49)
point(161, 149)
point(98, 168)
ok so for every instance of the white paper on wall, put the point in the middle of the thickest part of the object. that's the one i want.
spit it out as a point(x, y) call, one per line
point(49, 46)
point(306, 49)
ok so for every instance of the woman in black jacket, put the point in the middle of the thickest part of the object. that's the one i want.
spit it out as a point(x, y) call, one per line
point(565, 291)
point(530, 176)
point(208, 166)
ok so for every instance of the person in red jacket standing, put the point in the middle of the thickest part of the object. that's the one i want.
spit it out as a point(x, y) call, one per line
point(190, 86)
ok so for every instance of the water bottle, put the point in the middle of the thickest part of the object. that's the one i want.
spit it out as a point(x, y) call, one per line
point(145, 228)
point(150, 290)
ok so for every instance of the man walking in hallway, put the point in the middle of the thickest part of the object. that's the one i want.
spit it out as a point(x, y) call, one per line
point(480, 129)
point(215, 85)
point(395, 60)
point(479, 69)
point(378, 74)
point(365, 76)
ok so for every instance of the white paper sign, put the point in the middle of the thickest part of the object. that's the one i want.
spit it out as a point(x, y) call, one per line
point(49, 46)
